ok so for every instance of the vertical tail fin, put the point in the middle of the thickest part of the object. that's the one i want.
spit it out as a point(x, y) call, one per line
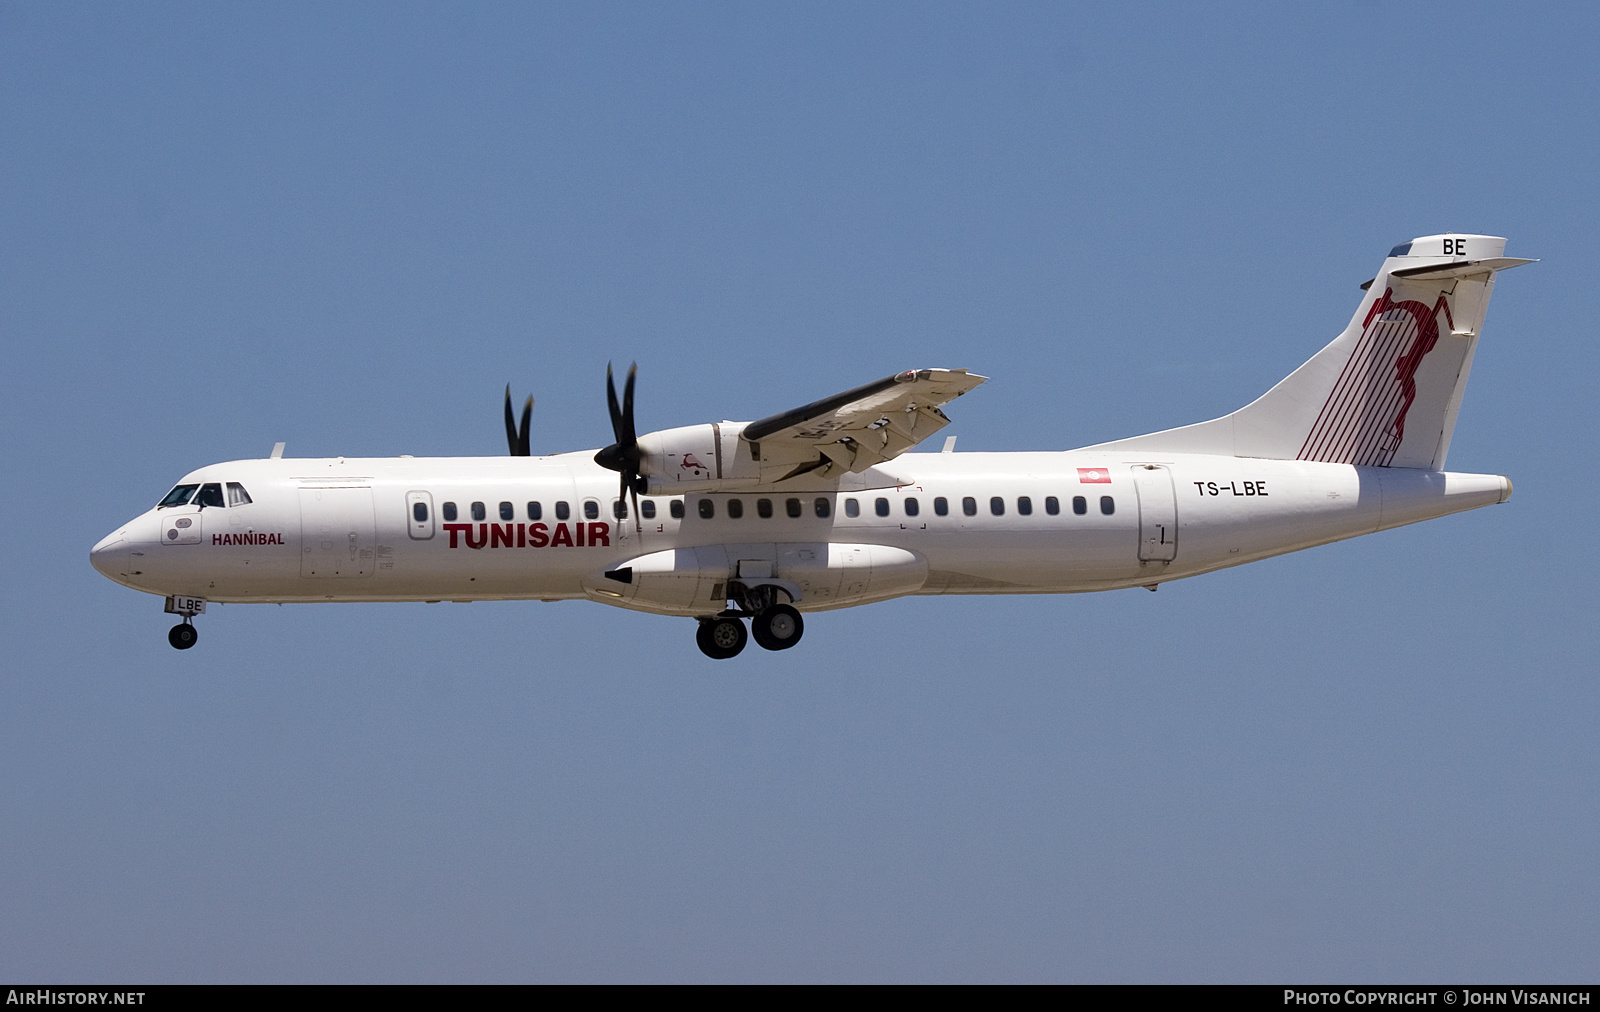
point(1385, 393)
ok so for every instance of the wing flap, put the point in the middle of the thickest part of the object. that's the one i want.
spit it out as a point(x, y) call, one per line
point(856, 429)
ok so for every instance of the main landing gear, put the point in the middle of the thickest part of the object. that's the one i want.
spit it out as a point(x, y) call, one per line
point(777, 627)
point(721, 638)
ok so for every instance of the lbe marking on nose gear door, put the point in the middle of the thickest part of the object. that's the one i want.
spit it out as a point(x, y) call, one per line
point(336, 532)
point(1158, 513)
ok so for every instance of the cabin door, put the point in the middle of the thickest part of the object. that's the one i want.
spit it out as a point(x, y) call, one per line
point(1158, 514)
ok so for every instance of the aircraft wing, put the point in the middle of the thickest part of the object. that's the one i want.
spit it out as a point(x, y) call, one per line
point(861, 427)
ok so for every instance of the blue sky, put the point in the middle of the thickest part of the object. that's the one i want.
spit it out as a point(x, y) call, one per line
point(348, 228)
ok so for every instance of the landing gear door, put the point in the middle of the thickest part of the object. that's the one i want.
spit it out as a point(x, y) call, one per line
point(419, 515)
point(1158, 513)
point(336, 532)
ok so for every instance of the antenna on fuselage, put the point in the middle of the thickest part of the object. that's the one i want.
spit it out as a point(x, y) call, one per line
point(277, 452)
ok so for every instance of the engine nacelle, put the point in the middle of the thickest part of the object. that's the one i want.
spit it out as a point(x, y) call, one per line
point(694, 581)
point(685, 459)
point(709, 458)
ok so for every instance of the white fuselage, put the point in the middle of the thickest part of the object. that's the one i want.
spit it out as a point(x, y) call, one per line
point(348, 529)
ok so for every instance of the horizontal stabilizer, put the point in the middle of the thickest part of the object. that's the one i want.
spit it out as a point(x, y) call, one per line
point(1466, 268)
point(1463, 269)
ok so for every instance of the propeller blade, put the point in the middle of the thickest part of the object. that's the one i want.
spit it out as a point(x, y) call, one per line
point(518, 440)
point(611, 404)
point(623, 455)
point(511, 424)
point(632, 435)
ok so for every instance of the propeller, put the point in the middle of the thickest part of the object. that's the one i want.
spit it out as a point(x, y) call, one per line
point(623, 456)
point(517, 438)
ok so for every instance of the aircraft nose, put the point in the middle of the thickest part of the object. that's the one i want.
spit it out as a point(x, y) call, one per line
point(110, 557)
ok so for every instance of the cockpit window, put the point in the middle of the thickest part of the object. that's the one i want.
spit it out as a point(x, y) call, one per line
point(237, 496)
point(177, 497)
point(210, 495)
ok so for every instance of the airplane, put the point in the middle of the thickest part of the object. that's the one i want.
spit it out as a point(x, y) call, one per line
point(822, 507)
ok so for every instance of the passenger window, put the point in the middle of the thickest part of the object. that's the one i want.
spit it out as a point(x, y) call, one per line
point(210, 495)
point(969, 506)
point(912, 508)
point(563, 511)
point(941, 506)
point(792, 507)
point(1108, 505)
point(619, 509)
point(177, 497)
point(1024, 506)
point(675, 507)
point(997, 506)
point(852, 508)
point(237, 496)
point(419, 512)
point(535, 511)
point(764, 508)
point(648, 508)
point(708, 509)
point(478, 512)
point(822, 508)
point(1052, 505)
point(735, 509)
point(591, 509)
point(881, 507)
point(450, 512)
point(1080, 505)
point(507, 511)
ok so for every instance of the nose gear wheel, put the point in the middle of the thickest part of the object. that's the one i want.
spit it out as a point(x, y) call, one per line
point(183, 636)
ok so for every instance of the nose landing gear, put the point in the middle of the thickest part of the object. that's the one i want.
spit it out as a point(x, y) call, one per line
point(183, 635)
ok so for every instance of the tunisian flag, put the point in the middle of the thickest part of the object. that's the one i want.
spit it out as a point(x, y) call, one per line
point(1094, 476)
